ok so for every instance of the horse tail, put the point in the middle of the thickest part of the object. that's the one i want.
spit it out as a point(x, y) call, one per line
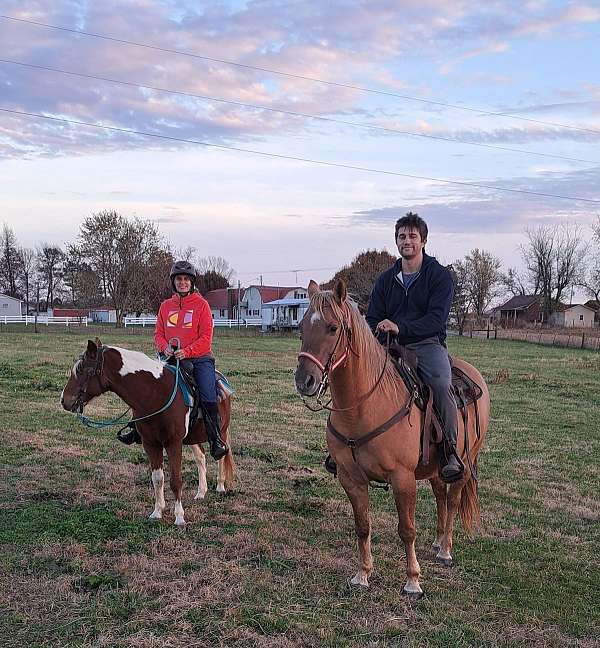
point(228, 464)
point(470, 514)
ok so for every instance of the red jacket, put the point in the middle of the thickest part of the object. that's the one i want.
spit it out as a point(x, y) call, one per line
point(187, 318)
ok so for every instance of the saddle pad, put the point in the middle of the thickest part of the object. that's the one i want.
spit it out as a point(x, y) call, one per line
point(224, 389)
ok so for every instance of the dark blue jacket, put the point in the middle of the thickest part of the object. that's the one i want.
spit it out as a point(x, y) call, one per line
point(422, 310)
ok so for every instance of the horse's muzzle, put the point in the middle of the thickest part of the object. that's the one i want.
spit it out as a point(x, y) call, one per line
point(307, 384)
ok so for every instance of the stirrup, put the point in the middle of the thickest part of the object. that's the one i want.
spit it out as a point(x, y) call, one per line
point(218, 449)
point(457, 472)
point(330, 465)
point(130, 437)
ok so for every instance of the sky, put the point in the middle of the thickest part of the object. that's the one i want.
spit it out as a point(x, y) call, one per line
point(396, 98)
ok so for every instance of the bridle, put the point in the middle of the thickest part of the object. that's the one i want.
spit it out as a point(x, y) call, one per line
point(334, 362)
point(94, 370)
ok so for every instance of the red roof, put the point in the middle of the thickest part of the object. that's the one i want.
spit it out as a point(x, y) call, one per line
point(271, 293)
point(70, 312)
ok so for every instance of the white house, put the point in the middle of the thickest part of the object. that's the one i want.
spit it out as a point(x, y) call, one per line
point(284, 313)
point(574, 316)
point(11, 306)
point(251, 304)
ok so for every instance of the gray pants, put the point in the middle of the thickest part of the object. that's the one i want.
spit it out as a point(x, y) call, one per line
point(434, 369)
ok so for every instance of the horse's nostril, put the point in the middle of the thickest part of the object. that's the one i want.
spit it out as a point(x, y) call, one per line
point(310, 381)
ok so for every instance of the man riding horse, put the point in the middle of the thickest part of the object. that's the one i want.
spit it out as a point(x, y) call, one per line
point(186, 316)
point(411, 302)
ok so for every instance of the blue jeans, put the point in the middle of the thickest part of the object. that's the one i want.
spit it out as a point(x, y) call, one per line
point(204, 373)
point(434, 369)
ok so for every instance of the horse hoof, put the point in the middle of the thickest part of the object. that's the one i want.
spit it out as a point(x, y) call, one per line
point(180, 524)
point(200, 495)
point(359, 579)
point(155, 516)
point(447, 562)
point(413, 596)
point(220, 488)
point(436, 546)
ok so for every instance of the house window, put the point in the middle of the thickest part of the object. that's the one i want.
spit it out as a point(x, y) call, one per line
point(222, 312)
point(581, 318)
point(4, 305)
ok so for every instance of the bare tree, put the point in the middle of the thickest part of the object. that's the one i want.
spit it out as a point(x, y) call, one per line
point(28, 260)
point(121, 253)
point(461, 302)
point(50, 260)
point(591, 281)
point(513, 283)
point(555, 258)
point(10, 261)
point(216, 264)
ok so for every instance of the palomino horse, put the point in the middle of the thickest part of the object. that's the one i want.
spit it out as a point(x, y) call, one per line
point(338, 348)
point(146, 385)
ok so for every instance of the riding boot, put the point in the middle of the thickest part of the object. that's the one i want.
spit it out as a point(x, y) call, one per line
point(453, 468)
point(131, 436)
point(330, 465)
point(212, 423)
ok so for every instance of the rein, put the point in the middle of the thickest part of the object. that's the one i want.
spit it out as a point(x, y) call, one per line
point(97, 371)
point(332, 364)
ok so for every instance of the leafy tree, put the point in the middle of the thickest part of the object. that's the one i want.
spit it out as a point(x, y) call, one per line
point(361, 273)
point(121, 253)
point(28, 259)
point(482, 279)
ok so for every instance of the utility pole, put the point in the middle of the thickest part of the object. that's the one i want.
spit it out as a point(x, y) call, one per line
point(239, 305)
point(261, 283)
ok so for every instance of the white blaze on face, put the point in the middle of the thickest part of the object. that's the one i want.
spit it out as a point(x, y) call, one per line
point(315, 317)
point(134, 361)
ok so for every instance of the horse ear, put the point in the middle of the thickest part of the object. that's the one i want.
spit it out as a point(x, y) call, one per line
point(313, 287)
point(92, 349)
point(339, 291)
point(98, 343)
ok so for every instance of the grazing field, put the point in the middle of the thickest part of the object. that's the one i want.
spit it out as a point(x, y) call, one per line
point(267, 564)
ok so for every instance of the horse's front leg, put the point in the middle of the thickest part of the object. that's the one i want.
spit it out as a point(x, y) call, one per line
point(358, 494)
point(155, 456)
point(200, 459)
point(175, 481)
point(404, 486)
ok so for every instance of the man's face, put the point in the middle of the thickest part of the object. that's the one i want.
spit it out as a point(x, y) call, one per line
point(409, 242)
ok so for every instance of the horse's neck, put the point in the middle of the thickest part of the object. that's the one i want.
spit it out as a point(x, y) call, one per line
point(350, 384)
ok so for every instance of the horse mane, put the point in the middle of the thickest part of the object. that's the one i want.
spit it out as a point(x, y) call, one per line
point(372, 355)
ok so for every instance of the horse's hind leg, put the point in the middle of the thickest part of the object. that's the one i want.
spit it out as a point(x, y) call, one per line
point(155, 455)
point(175, 481)
point(358, 494)
point(200, 459)
point(440, 491)
point(405, 495)
point(453, 500)
point(221, 475)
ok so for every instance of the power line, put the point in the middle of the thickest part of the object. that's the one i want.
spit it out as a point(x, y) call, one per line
point(259, 272)
point(290, 112)
point(301, 77)
point(294, 158)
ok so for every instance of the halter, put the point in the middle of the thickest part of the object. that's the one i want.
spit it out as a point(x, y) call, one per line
point(332, 364)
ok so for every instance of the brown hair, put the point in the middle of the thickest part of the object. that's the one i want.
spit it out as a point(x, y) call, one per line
point(414, 221)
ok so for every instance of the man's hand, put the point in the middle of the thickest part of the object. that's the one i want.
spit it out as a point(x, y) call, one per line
point(387, 326)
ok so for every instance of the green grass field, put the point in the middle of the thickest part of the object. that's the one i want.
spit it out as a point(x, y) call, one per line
point(267, 564)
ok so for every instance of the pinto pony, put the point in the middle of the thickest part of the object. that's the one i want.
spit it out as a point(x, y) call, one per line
point(146, 385)
point(339, 349)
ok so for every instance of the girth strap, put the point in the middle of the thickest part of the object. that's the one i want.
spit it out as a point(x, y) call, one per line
point(356, 443)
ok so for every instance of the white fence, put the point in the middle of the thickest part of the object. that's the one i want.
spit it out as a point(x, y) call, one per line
point(230, 323)
point(43, 319)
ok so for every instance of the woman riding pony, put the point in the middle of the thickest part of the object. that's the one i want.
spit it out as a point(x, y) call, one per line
point(186, 316)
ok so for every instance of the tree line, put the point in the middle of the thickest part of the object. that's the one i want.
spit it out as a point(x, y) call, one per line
point(116, 262)
point(124, 263)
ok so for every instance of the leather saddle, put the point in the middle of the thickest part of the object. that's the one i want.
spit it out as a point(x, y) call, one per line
point(466, 391)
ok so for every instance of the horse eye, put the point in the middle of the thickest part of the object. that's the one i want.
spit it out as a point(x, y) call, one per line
point(332, 328)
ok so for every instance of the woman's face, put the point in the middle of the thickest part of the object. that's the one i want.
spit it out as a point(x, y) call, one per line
point(183, 283)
